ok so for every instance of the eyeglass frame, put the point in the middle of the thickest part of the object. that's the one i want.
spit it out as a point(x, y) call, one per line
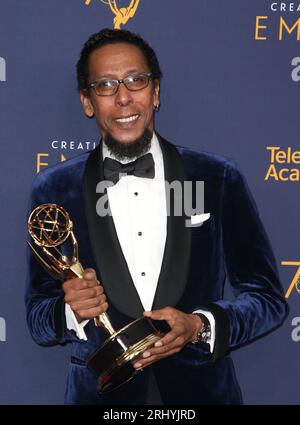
point(92, 85)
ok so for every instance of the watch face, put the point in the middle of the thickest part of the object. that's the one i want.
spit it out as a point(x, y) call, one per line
point(205, 336)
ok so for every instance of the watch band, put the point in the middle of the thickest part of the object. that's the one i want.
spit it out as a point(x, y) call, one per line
point(204, 334)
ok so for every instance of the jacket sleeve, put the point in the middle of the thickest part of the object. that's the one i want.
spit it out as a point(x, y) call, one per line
point(44, 296)
point(259, 305)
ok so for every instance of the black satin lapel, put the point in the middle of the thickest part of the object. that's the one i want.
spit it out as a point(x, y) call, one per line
point(112, 267)
point(175, 265)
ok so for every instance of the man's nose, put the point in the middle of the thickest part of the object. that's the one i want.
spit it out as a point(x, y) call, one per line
point(123, 95)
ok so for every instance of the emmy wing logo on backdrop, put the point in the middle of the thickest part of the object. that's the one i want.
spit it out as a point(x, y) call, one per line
point(122, 14)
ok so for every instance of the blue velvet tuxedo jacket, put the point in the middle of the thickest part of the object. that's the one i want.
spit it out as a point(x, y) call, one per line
point(231, 245)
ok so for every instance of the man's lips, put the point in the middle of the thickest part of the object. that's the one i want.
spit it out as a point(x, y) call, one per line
point(127, 119)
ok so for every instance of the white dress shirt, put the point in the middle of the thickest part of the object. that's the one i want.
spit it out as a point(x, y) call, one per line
point(139, 211)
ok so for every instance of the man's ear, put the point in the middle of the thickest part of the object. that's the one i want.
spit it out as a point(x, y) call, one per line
point(86, 104)
point(156, 97)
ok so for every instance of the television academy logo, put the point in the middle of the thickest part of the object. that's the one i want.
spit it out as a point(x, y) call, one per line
point(122, 14)
point(2, 69)
point(2, 330)
point(284, 164)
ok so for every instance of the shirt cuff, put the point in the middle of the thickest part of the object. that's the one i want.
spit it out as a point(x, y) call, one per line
point(212, 323)
point(73, 325)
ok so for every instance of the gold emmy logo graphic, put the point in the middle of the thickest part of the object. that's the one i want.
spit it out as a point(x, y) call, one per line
point(296, 279)
point(122, 14)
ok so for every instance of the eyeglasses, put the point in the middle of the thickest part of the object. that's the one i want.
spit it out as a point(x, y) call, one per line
point(110, 87)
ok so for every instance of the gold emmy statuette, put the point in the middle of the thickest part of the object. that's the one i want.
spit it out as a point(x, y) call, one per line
point(56, 249)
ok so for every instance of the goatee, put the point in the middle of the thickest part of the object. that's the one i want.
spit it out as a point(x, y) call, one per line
point(130, 150)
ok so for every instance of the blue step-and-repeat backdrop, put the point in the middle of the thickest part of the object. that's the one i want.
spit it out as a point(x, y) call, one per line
point(231, 85)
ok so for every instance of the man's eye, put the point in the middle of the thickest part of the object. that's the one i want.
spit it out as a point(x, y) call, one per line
point(134, 79)
point(105, 84)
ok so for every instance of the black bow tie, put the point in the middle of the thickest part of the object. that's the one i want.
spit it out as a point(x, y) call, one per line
point(141, 167)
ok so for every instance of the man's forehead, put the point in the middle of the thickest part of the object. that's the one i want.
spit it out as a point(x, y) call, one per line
point(115, 54)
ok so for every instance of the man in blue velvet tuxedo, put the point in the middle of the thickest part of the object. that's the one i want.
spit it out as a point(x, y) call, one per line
point(142, 259)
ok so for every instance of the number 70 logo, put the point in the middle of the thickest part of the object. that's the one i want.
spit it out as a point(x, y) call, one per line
point(296, 279)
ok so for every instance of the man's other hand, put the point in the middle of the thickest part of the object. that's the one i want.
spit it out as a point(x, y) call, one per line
point(184, 328)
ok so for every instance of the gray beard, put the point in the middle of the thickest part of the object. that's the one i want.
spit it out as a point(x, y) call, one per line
point(130, 150)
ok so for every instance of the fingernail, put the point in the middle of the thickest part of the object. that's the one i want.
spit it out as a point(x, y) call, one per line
point(138, 365)
point(158, 344)
point(146, 354)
